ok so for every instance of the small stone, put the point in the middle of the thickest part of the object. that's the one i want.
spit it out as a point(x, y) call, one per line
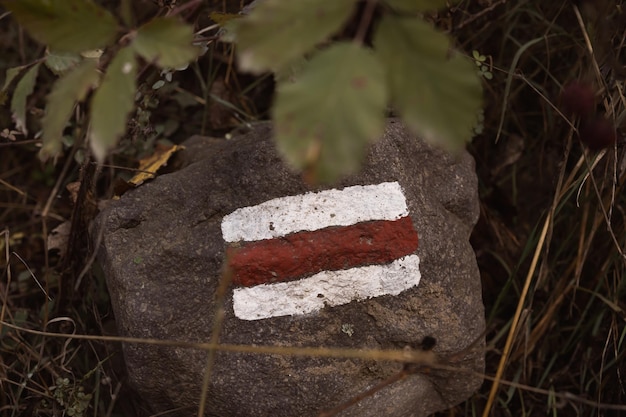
point(388, 267)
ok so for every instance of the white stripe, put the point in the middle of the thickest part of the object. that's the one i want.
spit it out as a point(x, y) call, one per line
point(336, 287)
point(314, 211)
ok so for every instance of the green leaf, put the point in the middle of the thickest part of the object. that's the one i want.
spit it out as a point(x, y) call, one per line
point(23, 89)
point(11, 74)
point(335, 108)
point(69, 89)
point(166, 42)
point(112, 103)
point(61, 62)
point(416, 6)
point(65, 25)
point(437, 91)
point(277, 32)
point(290, 71)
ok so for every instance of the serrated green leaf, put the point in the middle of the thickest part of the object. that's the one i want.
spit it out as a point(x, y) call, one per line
point(166, 42)
point(65, 25)
point(61, 62)
point(437, 91)
point(23, 89)
point(327, 117)
point(69, 89)
point(112, 102)
point(289, 72)
point(277, 32)
point(11, 74)
point(416, 6)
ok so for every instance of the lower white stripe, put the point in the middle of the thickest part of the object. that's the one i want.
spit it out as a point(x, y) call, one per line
point(330, 288)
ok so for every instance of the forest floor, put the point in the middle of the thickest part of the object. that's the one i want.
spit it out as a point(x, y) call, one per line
point(550, 241)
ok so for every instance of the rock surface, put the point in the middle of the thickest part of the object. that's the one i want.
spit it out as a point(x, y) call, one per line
point(162, 251)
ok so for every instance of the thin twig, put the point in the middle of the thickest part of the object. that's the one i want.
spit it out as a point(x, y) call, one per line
point(354, 400)
point(32, 275)
point(366, 19)
point(183, 7)
point(480, 14)
point(7, 258)
point(407, 370)
point(394, 355)
point(53, 195)
point(218, 320)
point(416, 356)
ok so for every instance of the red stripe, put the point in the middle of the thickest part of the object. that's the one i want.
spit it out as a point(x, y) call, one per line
point(306, 253)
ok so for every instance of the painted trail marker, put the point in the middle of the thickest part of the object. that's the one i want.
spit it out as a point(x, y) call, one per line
point(296, 254)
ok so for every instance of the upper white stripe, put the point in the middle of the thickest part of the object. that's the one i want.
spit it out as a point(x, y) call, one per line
point(314, 211)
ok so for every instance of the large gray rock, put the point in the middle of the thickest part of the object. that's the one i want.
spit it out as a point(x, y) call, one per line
point(162, 250)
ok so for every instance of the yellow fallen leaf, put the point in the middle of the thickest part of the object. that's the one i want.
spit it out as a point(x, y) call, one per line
point(149, 165)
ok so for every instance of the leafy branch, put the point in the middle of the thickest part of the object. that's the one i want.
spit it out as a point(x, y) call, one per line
point(74, 31)
point(332, 104)
point(332, 93)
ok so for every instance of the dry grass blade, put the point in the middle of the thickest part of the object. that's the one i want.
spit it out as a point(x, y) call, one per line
point(529, 276)
point(405, 356)
point(4, 288)
point(516, 319)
